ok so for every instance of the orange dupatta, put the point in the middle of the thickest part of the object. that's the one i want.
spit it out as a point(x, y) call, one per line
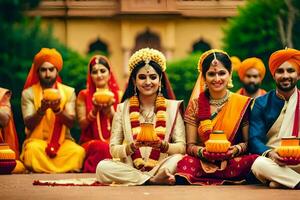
point(8, 134)
point(230, 117)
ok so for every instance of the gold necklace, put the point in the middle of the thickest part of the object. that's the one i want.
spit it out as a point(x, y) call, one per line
point(219, 102)
point(147, 115)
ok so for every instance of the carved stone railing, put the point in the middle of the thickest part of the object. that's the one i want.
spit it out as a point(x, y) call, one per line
point(108, 8)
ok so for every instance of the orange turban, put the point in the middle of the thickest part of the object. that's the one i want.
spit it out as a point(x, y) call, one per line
point(252, 63)
point(44, 55)
point(48, 55)
point(281, 56)
point(236, 62)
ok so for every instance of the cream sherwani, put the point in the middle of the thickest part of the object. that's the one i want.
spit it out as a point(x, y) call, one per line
point(120, 170)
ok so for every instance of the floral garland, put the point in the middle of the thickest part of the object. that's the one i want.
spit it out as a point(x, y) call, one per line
point(205, 127)
point(160, 129)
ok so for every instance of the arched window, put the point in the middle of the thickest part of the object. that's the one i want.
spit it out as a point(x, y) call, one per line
point(147, 39)
point(201, 46)
point(99, 46)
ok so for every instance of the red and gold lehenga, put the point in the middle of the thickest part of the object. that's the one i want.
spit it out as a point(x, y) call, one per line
point(95, 138)
point(232, 117)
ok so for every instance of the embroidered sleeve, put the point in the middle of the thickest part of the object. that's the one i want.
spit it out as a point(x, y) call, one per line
point(190, 115)
point(27, 103)
point(178, 137)
point(117, 148)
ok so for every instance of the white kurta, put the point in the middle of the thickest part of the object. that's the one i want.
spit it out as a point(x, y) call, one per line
point(120, 170)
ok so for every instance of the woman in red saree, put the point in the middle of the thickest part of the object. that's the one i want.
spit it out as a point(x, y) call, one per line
point(94, 118)
point(212, 108)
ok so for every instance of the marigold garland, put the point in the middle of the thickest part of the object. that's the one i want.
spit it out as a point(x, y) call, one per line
point(160, 129)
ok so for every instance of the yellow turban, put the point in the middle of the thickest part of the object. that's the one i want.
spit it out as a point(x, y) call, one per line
point(48, 55)
point(252, 63)
point(281, 56)
point(45, 55)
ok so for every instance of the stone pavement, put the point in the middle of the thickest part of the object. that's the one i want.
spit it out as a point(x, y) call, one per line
point(20, 187)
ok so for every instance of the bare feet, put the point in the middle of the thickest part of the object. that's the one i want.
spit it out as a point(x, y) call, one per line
point(274, 185)
point(163, 177)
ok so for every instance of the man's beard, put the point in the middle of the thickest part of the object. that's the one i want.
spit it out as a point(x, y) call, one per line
point(251, 88)
point(286, 89)
point(47, 82)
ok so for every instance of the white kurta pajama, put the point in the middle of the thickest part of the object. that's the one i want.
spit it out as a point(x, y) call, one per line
point(121, 170)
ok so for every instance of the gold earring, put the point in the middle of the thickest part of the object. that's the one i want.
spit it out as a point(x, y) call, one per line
point(159, 91)
point(230, 84)
point(135, 90)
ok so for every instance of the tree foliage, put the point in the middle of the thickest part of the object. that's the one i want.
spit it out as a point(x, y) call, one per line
point(183, 75)
point(21, 39)
point(255, 31)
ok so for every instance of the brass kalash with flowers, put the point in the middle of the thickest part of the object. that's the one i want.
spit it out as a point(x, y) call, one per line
point(148, 133)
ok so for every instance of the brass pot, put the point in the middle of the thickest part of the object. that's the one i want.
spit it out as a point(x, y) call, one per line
point(147, 133)
point(51, 94)
point(217, 142)
point(289, 147)
point(103, 96)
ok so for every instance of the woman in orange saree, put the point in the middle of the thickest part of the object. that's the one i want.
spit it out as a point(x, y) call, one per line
point(210, 109)
point(94, 117)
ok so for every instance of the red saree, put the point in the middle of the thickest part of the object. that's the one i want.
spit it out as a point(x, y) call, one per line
point(95, 138)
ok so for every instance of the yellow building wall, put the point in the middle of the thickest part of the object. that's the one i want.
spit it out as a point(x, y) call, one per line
point(177, 36)
point(189, 31)
point(78, 34)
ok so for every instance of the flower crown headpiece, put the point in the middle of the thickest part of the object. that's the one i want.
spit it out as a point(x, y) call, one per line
point(207, 53)
point(147, 55)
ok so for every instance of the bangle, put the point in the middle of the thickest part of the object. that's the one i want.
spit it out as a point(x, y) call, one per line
point(239, 150)
point(200, 152)
point(91, 117)
point(164, 146)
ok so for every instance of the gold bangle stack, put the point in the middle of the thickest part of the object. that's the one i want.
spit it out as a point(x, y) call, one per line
point(164, 146)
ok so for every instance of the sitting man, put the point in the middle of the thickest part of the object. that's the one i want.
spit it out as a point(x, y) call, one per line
point(251, 73)
point(274, 116)
point(8, 134)
point(49, 146)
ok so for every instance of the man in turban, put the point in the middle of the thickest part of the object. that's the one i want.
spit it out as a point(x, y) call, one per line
point(48, 108)
point(251, 72)
point(8, 134)
point(274, 116)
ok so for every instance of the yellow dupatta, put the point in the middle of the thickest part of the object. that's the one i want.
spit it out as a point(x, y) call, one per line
point(47, 122)
point(231, 115)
